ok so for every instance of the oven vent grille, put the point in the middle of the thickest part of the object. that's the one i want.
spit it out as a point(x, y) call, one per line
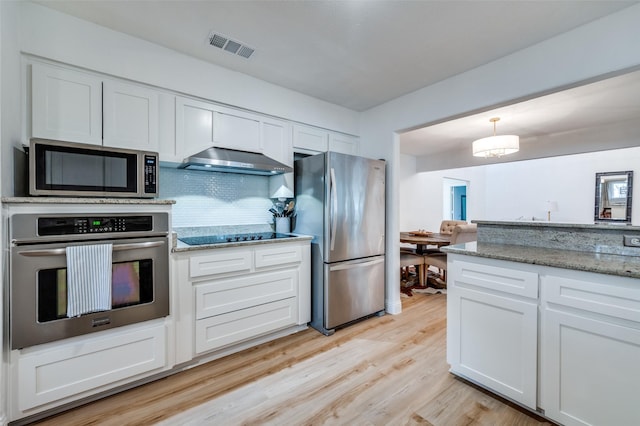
point(225, 43)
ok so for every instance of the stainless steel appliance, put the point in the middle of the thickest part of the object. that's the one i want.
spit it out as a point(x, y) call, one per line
point(38, 296)
point(231, 238)
point(233, 161)
point(80, 170)
point(340, 201)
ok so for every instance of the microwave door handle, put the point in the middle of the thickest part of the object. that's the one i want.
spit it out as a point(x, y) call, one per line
point(63, 250)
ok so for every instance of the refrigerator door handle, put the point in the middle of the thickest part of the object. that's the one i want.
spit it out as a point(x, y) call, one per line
point(356, 265)
point(334, 209)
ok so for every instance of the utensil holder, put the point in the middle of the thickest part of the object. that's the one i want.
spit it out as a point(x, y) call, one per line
point(283, 225)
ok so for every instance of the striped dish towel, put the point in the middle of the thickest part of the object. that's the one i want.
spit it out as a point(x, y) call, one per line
point(88, 279)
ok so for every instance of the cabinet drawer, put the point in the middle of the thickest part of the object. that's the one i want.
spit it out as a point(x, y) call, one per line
point(228, 295)
point(234, 327)
point(220, 263)
point(281, 255)
point(494, 277)
point(51, 374)
point(616, 297)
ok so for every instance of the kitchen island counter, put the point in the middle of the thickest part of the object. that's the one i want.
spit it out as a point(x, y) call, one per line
point(601, 263)
point(533, 309)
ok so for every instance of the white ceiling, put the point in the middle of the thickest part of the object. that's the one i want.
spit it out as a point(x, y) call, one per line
point(359, 53)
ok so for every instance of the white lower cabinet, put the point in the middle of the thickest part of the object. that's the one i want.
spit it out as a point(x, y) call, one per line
point(590, 341)
point(50, 375)
point(571, 354)
point(492, 320)
point(239, 295)
point(236, 326)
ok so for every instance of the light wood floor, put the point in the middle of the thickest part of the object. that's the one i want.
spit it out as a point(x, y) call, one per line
point(388, 370)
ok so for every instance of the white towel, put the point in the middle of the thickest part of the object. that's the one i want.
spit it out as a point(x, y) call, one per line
point(88, 279)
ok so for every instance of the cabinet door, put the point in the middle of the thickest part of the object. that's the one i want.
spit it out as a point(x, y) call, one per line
point(62, 370)
point(194, 126)
point(221, 296)
point(310, 138)
point(130, 116)
point(234, 327)
point(276, 140)
point(167, 129)
point(492, 340)
point(343, 143)
point(65, 105)
point(236, 130)
point(590, 370)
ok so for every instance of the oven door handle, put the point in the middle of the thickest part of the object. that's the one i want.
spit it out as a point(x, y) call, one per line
point(118, 247)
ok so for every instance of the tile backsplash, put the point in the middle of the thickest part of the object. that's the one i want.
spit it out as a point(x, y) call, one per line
point(214, 199)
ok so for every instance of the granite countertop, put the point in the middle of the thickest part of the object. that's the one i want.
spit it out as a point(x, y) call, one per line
point(601, 263)
point(179, 246)
point(609, 226)
point(71, 200)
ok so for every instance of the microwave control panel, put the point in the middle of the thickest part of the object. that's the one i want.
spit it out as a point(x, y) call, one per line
point(49, 226)
point(150, 174)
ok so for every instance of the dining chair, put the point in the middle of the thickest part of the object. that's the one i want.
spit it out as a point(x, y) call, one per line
point(462, 233)
point(447, 226)
point(408, 259)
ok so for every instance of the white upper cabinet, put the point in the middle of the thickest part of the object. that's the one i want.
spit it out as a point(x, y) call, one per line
point(77, 106)
point(201, 125)
point(66, 105)
point(74, 106)
point(276, 140)
point(312, 140)
point(130, 116)
point(194, 126)
point(167, 147)
point(343, 143)
point(235, 129)
point(307, 138)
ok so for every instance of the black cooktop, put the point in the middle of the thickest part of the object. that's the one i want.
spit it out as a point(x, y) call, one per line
point(231, 238)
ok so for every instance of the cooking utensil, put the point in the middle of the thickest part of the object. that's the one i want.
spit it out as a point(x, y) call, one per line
point(289, 210)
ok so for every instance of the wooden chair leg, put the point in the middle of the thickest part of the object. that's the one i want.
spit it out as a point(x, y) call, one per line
point(421, 275)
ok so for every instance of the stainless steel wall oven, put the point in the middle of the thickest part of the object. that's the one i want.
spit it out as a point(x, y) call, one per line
point(38, 272)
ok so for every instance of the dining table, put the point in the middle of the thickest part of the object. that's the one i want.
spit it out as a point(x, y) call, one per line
point(424, 239)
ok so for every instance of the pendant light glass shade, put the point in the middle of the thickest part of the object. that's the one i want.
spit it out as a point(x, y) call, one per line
point(496, 146)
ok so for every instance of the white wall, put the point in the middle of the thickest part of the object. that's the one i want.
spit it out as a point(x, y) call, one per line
point(518, 190)
point(579, 55)
point(422, 198)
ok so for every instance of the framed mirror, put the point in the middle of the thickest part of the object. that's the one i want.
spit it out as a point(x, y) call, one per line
point(613, 197)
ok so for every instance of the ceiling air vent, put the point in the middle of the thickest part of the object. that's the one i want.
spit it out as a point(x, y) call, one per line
point(223, 42)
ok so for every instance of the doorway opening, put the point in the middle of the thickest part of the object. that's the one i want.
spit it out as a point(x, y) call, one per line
point(454, 201)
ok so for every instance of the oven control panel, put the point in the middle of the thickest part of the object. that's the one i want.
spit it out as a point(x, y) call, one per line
point(48, 226)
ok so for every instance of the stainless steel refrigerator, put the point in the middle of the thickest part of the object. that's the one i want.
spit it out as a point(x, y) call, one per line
point(340, 201)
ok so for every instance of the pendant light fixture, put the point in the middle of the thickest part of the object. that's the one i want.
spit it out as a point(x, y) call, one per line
point(496, 146)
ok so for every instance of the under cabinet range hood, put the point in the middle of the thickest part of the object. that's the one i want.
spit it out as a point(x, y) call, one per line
point(233, 161)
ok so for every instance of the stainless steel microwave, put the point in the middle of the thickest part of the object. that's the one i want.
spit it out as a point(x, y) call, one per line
point(81, 170)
